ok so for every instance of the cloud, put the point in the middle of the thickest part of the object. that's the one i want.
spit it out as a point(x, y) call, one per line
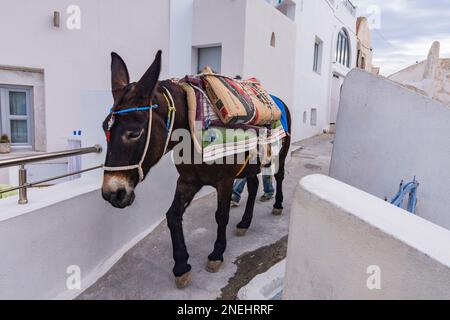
point(408, 28)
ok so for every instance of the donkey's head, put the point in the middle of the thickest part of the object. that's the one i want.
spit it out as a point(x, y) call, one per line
point(130, 154)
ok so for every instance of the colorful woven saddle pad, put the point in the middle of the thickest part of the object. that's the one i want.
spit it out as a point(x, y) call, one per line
point(219, 141)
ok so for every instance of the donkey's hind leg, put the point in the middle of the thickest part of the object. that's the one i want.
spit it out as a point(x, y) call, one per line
point(278, 206)
point(184, 194)
point(279, 177)
point(252, 187)
point(224, 190)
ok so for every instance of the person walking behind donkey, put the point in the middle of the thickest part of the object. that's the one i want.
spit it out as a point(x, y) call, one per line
point(239, 185)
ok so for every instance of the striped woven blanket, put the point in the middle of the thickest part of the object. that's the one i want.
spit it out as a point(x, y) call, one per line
point(219, 142)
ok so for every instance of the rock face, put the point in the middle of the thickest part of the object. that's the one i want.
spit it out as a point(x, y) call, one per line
point(430, 77)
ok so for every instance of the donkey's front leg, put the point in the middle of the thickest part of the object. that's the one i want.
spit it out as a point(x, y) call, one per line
point(184, 194)
point(252, 187)
point(224, 190)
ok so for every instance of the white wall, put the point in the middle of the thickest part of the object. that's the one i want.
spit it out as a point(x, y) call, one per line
point(388, 134)
point(318, 18)
point(273, 66)
point(337, 232)
point(243, 28)
point(221, 22)
point(181, 19)
point(78, 60)
point(70, 224)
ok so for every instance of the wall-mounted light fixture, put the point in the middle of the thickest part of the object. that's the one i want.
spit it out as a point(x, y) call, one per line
point(56, 19)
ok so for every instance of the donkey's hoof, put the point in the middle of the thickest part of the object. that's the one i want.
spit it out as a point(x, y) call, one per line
point(213, 266)
point(184, 280)
point(241, 232)
point(277, 212)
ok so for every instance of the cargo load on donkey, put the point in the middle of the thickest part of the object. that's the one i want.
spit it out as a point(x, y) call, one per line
point(217, 103)
point(240, 101)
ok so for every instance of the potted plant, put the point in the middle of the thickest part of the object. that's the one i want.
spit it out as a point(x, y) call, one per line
point(5, 144)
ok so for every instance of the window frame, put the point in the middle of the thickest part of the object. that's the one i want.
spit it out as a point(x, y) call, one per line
point(343, 48)
point(317, 58)
point(6, 117)
point(199, 50)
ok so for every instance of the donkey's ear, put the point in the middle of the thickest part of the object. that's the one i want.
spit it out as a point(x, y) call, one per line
point(119, 75)
point(148, 81)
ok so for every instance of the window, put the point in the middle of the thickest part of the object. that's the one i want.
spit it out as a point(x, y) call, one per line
point(272, 40)
point(343, 49)
point(313, 117)
point(16, 115)
point(317, 62)
point(211, 57)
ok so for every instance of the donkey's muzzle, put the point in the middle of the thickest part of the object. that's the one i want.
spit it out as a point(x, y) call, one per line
point(119, 199)
point(117, 191)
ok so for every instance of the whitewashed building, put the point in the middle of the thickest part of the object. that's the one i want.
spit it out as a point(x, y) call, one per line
point(429, 77)
point(57, 59)
point(326, 31)
point(55, 70)
point(300, 52)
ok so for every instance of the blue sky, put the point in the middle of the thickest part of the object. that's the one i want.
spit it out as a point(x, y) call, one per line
point(407, 30)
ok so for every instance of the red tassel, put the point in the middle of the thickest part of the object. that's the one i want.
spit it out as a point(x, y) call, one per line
point(108, 136)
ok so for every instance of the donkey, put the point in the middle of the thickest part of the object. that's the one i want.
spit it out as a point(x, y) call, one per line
point(138, 136)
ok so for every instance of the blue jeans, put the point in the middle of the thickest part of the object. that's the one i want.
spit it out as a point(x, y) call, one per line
point(239, 185)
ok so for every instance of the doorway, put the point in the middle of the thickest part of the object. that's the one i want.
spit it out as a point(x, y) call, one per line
point(336, 84)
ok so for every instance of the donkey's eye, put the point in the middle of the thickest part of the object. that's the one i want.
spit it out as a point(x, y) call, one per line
point(134, 135)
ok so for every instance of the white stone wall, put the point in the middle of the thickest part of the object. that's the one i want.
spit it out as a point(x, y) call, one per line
point(243, 28)
point(347, 244)
point(71, 225)
point(388, 134)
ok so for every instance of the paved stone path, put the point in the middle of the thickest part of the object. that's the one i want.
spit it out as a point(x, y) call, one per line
point(145, 272)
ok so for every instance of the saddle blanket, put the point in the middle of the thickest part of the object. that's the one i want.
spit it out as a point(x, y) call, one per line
point(220, 142)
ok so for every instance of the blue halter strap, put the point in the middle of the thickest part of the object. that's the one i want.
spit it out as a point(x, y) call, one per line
point(153, 106)
point(169, 124)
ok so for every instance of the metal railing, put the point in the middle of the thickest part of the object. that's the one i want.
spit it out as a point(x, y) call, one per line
point(22, 161)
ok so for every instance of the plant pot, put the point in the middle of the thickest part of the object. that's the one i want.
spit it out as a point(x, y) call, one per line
point(5, 147)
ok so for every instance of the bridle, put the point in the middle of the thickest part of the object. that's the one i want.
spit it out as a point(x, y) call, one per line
point(169, 127)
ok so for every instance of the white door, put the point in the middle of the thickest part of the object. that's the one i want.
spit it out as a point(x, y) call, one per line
point(336, 85)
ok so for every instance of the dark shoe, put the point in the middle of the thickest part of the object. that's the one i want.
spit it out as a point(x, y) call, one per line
point(266, 197)
point(234, 203)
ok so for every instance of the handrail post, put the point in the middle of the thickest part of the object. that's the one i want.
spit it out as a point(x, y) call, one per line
point(22, 182)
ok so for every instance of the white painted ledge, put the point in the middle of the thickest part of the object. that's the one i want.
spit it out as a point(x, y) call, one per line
point(44, 197)
point(266, 285)
point(71, 225)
